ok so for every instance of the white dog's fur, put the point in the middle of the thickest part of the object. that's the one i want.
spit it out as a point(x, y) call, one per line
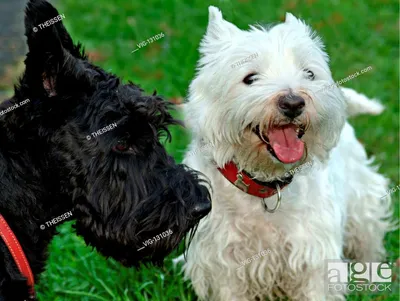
point(332, 210)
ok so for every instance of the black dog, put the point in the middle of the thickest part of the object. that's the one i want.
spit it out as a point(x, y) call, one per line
point(74, 137)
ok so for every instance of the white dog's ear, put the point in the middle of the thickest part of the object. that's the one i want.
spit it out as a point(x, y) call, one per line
point(218, 29)
point(290, 18)
point(214, 14)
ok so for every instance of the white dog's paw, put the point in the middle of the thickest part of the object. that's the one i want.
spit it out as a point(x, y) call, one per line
point(358, 103)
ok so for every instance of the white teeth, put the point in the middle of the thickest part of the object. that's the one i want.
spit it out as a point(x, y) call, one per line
point(297, 130)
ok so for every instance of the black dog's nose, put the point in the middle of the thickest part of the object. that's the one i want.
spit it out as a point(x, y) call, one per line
point(291, 105)
point(200, 210)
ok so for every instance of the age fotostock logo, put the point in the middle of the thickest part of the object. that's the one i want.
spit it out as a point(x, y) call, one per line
point(356, 277)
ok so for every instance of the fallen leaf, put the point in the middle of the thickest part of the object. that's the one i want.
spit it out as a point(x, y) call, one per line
point(291, 5)
point(336, 18)
point(311, 2)
point(176, 100)
point(96, 56)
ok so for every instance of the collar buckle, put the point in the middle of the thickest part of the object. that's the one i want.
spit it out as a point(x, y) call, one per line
point(239, 183)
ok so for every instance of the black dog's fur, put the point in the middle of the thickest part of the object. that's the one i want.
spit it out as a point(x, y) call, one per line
point(122, 186)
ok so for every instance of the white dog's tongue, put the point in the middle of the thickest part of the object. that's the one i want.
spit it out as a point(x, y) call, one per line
point(287, 146)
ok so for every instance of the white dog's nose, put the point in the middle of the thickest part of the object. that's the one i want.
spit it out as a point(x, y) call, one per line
point(291, 105)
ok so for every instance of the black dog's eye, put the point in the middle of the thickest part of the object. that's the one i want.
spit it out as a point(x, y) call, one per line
point(122, 146)
point(310, 74)
point(249, 79)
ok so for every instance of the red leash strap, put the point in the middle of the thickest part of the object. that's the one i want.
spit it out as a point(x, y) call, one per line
point(17, 253)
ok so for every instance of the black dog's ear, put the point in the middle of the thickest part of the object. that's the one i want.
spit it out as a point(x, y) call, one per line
point(37, 13)
point(51, 49)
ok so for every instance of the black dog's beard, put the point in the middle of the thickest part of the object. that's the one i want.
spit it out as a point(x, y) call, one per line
point(123, 212)
point(181, 193)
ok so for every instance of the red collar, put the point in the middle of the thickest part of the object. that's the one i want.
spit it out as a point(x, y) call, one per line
point(18, 254)
point(245, 183)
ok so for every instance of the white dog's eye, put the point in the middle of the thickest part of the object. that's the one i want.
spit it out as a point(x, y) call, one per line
point(310, 74)
point(249, 79)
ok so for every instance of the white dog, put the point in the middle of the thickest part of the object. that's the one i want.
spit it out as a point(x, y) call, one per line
point(260, 99)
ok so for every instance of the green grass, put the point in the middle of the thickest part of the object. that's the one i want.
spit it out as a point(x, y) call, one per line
point(358, 34)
